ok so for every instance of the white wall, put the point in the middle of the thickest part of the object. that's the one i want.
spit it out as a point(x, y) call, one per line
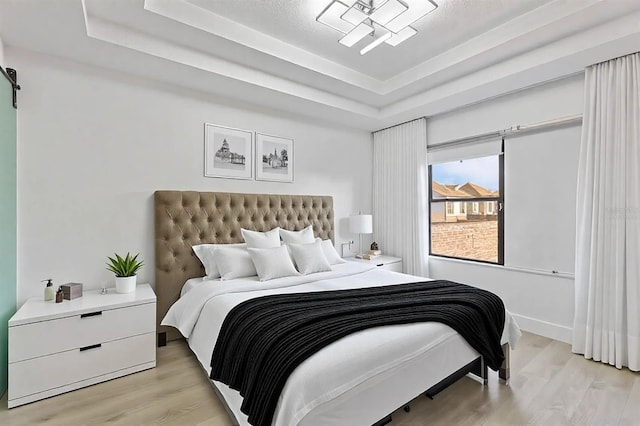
point(93, 146)
point(2, 63)
point(560, 98)
point(542, 304)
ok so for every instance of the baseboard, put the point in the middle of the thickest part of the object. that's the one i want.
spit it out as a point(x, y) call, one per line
point(543, 328)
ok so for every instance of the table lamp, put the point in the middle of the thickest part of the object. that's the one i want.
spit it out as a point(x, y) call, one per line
point(360, 224)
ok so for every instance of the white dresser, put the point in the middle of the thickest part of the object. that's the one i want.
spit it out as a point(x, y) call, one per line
point(388, 263)
point(58, 347)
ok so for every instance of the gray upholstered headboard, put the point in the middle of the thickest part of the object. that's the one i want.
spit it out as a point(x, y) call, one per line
point(187, 218)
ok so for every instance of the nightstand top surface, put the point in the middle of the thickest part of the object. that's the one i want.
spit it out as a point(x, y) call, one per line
point(36, 309)
point(382, 259)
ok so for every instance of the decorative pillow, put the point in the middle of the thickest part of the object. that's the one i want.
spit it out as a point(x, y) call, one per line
point(297, 237)
point(330, 252)
point(272, 263)
point(309, 258)
point(234, 262)
point(255, 239)
point(206, 256)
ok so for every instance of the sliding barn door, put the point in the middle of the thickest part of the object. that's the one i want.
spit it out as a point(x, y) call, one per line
point(7, 219)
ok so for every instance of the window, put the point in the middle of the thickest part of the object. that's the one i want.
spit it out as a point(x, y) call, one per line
point(449, 208)
point(465, 220)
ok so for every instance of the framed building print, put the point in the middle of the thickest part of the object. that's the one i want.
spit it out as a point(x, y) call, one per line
point(274, 158)
point(228, 152)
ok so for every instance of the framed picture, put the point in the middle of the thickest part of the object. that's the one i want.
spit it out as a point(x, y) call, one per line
point(228, 152)
point(274, 158)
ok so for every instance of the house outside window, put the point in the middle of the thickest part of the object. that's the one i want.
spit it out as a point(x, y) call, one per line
point(465, 222)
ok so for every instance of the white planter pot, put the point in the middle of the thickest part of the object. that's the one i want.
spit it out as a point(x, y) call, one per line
point(126, 284)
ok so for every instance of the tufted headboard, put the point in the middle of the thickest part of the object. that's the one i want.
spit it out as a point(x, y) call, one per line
point(187, 218)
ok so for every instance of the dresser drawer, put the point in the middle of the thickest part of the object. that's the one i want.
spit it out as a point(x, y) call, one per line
point(48, 337)
point(57, 370)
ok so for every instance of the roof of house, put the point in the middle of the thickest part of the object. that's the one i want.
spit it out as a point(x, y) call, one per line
point(447, 191)
point(476, 190)
point(468, 190)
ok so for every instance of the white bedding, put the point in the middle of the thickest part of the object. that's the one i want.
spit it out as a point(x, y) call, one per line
point(347, 367)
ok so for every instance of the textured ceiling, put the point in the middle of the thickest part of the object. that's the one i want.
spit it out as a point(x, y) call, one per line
point(293, 21)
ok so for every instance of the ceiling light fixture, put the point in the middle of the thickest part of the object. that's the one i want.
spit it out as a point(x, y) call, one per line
point(387, 21)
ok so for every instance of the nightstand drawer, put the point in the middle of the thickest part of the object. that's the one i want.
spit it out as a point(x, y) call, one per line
point(395, 267)
point(57, 370)
point(47, 337)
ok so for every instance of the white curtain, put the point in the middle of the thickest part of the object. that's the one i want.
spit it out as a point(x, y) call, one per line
point(400, 195)
point(607, 294)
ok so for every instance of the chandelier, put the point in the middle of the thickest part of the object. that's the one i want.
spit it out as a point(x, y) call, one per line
point(387, 21)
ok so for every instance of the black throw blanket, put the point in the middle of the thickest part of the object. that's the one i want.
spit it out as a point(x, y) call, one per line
point(263, 340)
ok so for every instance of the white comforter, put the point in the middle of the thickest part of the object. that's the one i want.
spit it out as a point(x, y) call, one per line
point(335, 369)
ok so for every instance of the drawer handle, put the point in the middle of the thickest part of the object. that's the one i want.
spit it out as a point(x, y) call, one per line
point(91, 314)
point(86, 348)
point(380, 264)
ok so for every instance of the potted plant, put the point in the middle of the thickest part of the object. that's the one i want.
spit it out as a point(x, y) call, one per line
point(125, 269)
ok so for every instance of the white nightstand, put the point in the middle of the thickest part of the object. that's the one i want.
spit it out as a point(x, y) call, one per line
point(59, 347)
point(388, 263)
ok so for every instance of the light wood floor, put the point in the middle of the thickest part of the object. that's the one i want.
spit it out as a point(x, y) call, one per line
point(549, 386)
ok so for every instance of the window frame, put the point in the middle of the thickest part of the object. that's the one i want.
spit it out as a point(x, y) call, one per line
point(500, 213)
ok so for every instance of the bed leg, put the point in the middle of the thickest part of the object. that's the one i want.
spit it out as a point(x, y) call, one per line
point(480, 370)
point(162, 339)
point(504, 372)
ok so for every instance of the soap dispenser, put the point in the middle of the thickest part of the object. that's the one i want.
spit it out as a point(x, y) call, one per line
point(49, 293)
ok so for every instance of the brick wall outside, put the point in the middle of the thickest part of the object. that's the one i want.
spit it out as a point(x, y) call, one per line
point(470, 240)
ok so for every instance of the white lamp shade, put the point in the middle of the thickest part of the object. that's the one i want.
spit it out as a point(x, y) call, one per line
point(361, 224)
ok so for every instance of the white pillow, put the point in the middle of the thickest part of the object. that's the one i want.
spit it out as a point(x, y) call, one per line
point(234, 262)
point(272, 263)
point(297, 237)
point(309, 258)
point(255, 239)
point(330, 252)
point(206, 256)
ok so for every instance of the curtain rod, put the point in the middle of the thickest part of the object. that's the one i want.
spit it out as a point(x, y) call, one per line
point(399, 124)
point(526, 128)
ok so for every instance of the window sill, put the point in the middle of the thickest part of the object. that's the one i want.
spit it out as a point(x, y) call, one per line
point(566, 275)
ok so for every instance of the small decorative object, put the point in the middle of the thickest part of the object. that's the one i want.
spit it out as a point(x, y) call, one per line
point(228, 152)
point(59, 295)
point(375, 251)
point(49, 293)
point(125, 269)
point(72, 290)
point(274, 158)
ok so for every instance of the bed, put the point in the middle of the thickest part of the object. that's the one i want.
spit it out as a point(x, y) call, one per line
point(358, 379)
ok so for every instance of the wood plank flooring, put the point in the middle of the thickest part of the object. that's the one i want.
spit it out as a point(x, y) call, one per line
point(549, 386)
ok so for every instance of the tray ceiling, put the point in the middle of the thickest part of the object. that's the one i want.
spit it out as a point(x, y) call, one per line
point(274, 54)
point(454, 22)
